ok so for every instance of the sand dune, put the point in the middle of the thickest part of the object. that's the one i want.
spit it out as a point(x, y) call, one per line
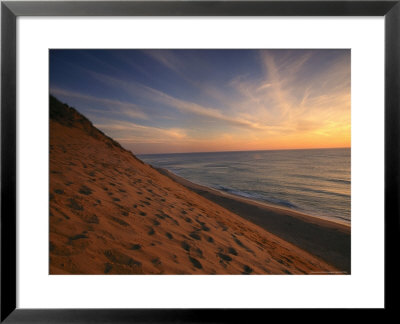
point(112, 214)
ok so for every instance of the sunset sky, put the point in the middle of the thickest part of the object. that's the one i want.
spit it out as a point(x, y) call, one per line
point(164, 101)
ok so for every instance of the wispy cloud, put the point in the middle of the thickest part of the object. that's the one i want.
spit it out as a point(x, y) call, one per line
point(280, 99)
point(175, 64)
point(139, 90)
point(115, 106)
point(133, 132)
point(166, 58)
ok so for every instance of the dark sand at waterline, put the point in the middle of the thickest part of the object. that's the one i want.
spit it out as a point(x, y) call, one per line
point(325, 239)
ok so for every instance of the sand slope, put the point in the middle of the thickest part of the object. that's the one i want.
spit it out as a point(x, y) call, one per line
point(112, 214)
point(328, 240)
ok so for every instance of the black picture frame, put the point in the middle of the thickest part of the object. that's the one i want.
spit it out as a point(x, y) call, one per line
point(10, 10)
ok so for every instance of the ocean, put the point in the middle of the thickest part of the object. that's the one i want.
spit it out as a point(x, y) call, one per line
point(316, 181)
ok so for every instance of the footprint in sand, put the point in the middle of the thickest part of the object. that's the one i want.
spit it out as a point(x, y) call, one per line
point(231, 250)
point(156, 261)
point(185, 246)
point(238, 242)
point(196, 263)
point(247, 269)
point(74, 205)
point(205, 228)
point(224, 257)
point(195, 236)
point(135, 247)
point(280, 261)
point(156, 222)
point(119, 221)
point(203, 225)
point(120, 258)
point(169, 217)
point(78, 236)
point(107, 267)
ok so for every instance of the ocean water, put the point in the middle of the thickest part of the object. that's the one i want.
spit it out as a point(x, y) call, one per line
point(316, 182)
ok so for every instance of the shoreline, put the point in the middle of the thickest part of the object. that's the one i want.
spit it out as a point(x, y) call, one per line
point(326, 239)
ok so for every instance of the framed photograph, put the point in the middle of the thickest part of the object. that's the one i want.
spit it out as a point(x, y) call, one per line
point(177, 160)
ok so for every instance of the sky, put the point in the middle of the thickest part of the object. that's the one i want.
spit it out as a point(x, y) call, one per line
point(174, 101)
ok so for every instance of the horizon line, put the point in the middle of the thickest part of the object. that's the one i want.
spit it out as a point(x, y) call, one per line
point(237, 151)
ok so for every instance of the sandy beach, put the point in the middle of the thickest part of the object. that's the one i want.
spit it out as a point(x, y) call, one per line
point(329, 240)
point(110, 213)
